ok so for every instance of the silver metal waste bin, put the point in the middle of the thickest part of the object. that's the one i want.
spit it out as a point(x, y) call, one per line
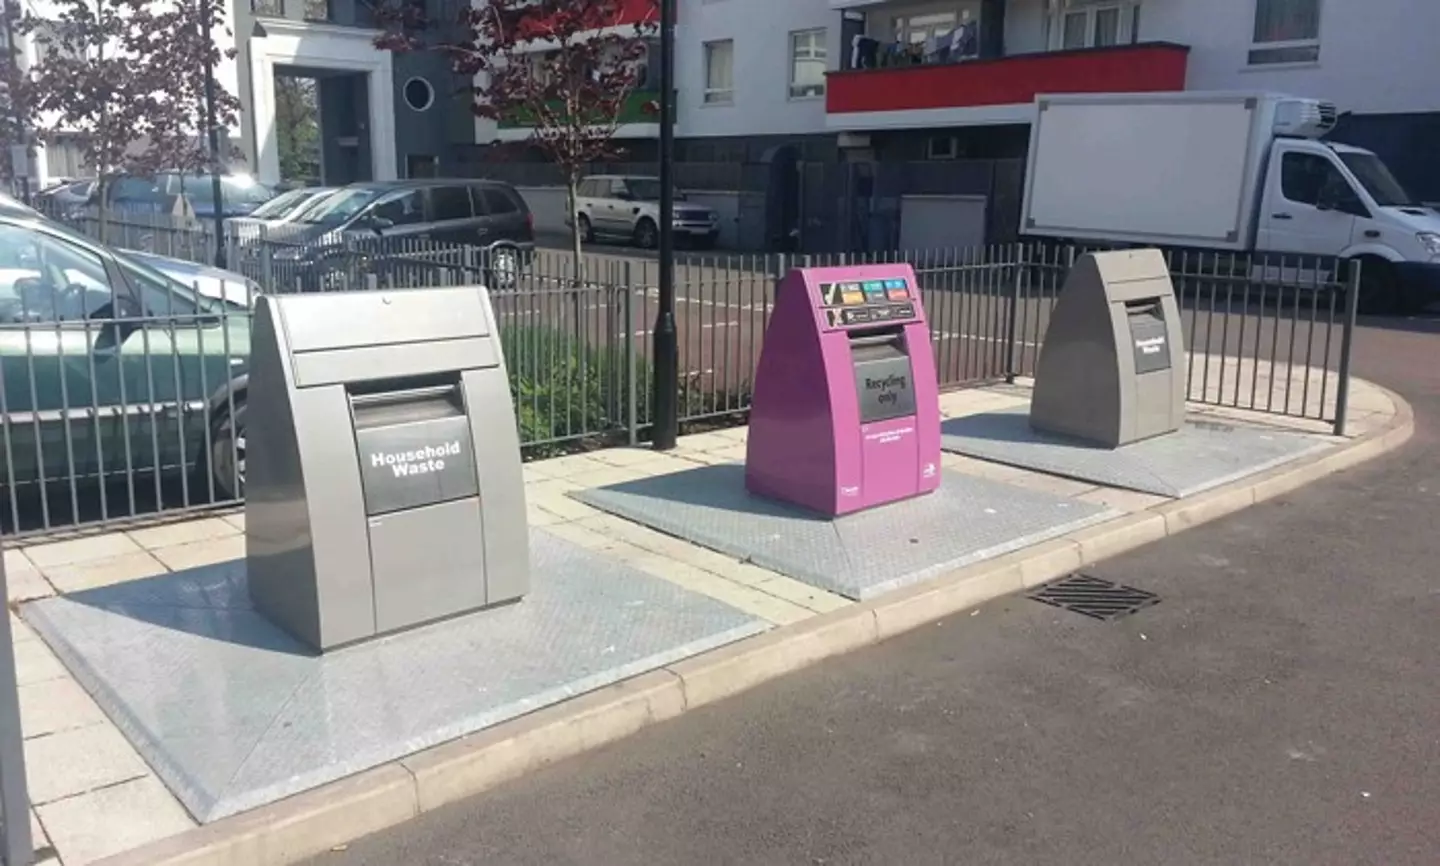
point(383, 485)
point(1111, 368)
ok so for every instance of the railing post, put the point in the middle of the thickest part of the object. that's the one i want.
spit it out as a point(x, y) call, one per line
point(19, 846)
point(1347, 336)
point(632, 386)
point(1012, 318)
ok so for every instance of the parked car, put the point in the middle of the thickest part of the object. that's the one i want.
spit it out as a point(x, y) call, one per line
point(70, 194)
point(110, 367)
point(286, 206)
point(488, 215)
point(211, 282)
point(628, 208)
point(155, 194)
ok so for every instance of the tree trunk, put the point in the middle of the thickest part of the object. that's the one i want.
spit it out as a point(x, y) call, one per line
point(572, 187)
point(102, 190)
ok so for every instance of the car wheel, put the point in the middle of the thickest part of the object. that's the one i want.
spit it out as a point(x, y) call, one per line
point(504, 270)
point(1379, 288)
point(587, 232)
point(227, 453)
point(647, 236)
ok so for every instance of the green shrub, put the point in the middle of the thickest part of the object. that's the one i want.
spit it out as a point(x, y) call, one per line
point(563, 388)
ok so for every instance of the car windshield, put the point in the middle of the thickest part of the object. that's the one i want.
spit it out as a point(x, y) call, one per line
point(237, 189)
point(336, 209)
point(648, 189)
point(281, 203)
point(1375, 176)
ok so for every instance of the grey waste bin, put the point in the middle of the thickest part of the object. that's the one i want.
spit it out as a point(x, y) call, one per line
point(1111, 368)
point(383, 485)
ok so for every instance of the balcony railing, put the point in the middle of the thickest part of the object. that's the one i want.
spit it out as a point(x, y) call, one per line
point(1145, 67)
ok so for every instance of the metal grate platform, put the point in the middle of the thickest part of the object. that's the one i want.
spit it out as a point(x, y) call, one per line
point(859, 555)
point(1199, 456)
point(1093, 597)
point(232, 713)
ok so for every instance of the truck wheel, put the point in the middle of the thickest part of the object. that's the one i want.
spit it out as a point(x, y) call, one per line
point(587, 231)
point(227, 452)
point(647, 236)
point(1380, 293)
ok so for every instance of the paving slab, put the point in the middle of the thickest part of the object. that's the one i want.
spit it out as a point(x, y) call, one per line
point(1201, 455)
point(859, 555)
point(233, 713)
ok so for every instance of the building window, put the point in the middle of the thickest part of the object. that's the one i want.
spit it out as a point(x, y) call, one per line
point(942, 147)
point(1093, 23)
point(419, 94)
point(917, 29)
point(1286, 31)
point(807, 63)
point(720, 72)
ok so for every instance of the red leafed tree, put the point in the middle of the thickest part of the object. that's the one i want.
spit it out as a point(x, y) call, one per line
point(564, 68)
point(123, 78)
point(176, 135)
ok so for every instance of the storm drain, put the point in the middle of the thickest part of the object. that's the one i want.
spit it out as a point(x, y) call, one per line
point(1093, 597)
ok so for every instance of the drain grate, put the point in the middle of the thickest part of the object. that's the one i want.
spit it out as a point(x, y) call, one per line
point(1093, 597)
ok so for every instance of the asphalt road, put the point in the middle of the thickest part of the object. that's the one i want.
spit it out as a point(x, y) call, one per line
point(1278, 706)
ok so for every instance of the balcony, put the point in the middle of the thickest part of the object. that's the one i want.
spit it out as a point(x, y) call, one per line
point(638, 118)
point(976, 92)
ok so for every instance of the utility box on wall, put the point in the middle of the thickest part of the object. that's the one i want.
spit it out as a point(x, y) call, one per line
point(1112, 367)
point(383, 484)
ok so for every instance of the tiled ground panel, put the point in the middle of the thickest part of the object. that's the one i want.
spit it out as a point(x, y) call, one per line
point(232, 713)
point(860, 555)
point(1199, 456)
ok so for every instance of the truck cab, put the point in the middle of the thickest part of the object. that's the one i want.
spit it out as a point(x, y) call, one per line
point(1329, 199)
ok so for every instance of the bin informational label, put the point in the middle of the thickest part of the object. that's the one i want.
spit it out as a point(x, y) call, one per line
point(1152, 346)
point(421, 463)
point(885, 388)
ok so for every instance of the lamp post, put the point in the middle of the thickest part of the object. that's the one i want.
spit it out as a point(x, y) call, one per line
point(666, 393)
point(217, 194)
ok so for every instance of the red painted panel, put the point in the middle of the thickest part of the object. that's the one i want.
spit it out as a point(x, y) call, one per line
point(634, 11)
point(1009, 80)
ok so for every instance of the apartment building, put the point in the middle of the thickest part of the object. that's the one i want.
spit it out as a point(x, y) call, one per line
point(947, 80)
point(858, 80)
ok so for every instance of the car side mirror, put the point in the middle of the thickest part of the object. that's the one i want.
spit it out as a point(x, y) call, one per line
point(378, 223)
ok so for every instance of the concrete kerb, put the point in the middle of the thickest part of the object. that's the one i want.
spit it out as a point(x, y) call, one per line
point(314, 822)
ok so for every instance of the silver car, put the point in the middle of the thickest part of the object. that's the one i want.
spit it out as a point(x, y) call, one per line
point(627, 207)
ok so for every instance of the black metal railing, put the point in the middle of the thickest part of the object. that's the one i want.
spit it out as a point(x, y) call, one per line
point(108, 414)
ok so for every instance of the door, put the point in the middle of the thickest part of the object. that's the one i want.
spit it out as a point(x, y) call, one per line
point(453, 217)
point(1309, 206)
point(504, 219)
point(584, 199)
point(617, 207)
point(181, 349)
point(400, 215)
point(57, 392)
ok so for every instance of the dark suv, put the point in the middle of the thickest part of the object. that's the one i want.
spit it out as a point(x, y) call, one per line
point(390, 225)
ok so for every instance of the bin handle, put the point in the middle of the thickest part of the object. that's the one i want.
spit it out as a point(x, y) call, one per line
point(874, 339)
point(379, 398)
point(1139, 308)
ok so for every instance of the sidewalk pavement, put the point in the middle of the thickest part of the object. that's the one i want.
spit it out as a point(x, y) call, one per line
point(93, 796)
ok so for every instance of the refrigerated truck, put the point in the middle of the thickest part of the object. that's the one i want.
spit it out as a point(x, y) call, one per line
point(1234, 172)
